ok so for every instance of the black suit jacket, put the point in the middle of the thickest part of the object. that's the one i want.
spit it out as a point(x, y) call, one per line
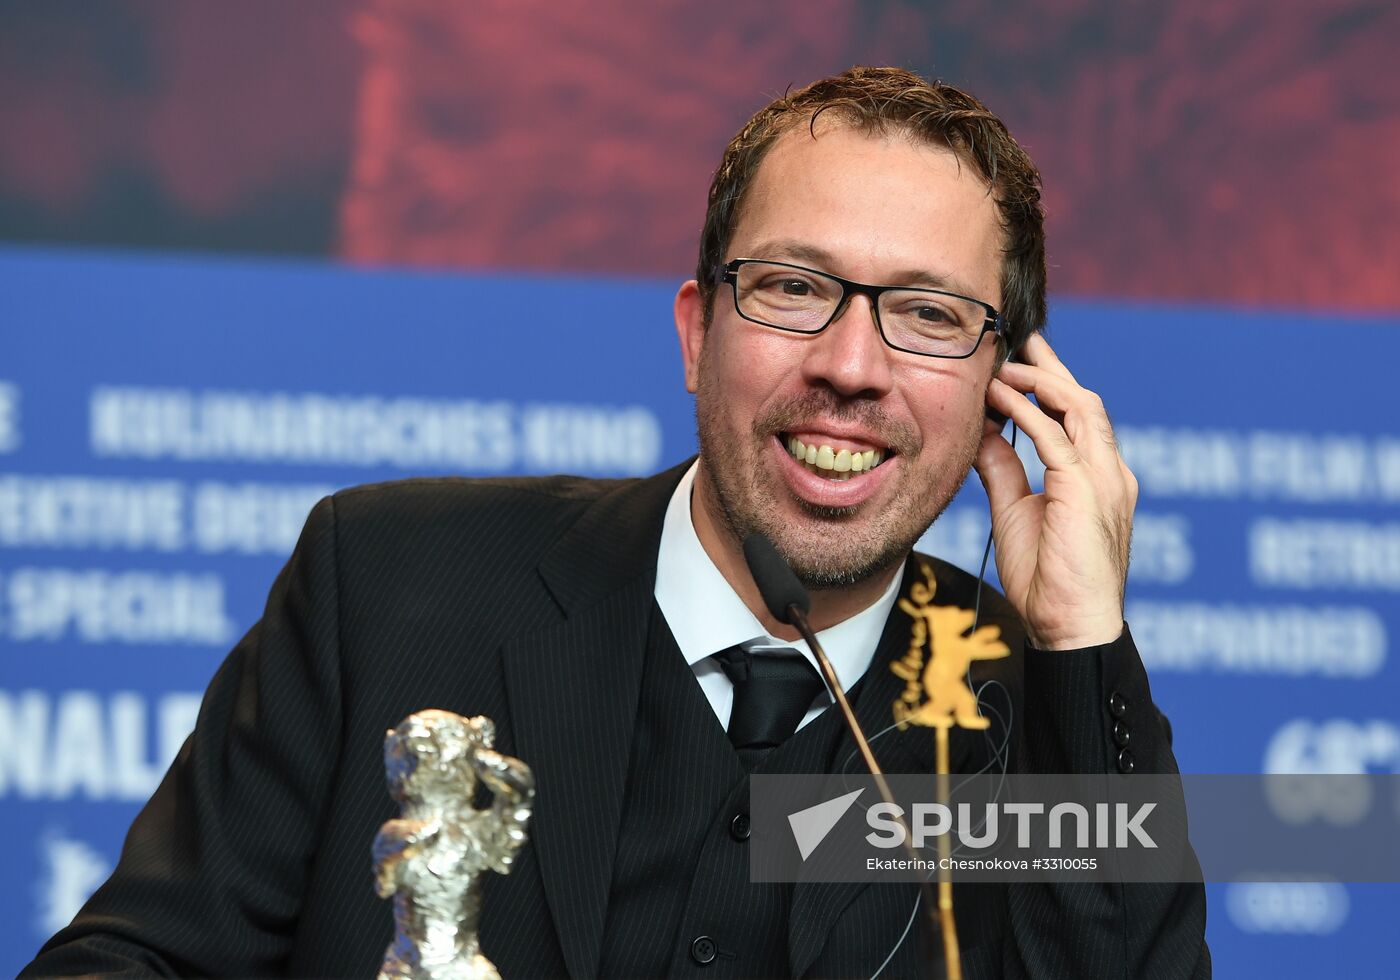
point(527, 600)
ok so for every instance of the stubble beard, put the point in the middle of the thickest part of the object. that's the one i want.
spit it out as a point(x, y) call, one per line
point(841, 551)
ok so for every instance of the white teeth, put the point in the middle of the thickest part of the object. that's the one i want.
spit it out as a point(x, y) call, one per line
point(834, 464)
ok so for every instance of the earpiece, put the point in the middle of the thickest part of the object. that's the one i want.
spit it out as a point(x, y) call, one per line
point(992, 414)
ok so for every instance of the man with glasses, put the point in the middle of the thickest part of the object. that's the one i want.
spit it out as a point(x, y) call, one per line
point(873, 253)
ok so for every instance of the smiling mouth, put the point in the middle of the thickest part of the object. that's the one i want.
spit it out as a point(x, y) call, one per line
point(833, 463)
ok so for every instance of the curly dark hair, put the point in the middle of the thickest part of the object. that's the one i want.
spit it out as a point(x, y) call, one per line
point(882, 100)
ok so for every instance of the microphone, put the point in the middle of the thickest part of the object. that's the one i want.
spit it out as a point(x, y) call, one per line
point(775, 579)
point(787, 600)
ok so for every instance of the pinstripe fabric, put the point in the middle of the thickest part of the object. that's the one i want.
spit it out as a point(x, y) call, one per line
point(528, 600)
point(680, 874)
point(683, 775)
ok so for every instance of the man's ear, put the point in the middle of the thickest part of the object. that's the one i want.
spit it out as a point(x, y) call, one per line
point(690, 328)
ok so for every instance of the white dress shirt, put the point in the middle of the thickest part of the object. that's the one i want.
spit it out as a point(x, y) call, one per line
point(706, 615)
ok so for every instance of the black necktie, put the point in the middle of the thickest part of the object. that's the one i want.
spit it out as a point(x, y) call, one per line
point(772, 691)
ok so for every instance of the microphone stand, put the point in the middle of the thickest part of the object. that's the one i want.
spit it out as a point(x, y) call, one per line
point(940, 911)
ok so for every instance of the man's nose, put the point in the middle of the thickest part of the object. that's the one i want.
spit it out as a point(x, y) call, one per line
point(849, 355)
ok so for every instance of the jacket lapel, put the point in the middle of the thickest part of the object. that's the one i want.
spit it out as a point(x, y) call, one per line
point(817, 904)
point(573, 688)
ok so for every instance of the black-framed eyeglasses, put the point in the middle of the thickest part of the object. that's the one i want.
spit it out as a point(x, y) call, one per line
point(930, 322)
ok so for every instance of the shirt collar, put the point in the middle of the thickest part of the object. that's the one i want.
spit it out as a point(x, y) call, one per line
point(706, 615)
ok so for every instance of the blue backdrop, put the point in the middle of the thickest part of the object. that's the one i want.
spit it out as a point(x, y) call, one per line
point(166, 423)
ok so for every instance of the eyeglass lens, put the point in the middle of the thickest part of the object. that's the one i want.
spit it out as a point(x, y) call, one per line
point(918, 320)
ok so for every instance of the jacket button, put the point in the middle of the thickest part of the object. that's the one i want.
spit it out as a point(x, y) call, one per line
point(1122, 735)
point(739, 827)
point(703, 950)
point(1125, 761)
point(1117, 705)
